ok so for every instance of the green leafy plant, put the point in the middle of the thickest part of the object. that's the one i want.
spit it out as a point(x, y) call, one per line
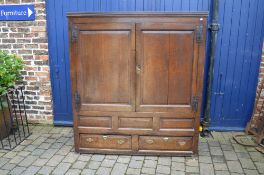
point(10, 71)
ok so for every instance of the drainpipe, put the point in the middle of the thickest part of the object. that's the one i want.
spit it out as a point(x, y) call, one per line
point(214, 27)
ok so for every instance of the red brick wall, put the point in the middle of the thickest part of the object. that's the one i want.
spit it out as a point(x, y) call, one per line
point(261, 76)
point(29, 40)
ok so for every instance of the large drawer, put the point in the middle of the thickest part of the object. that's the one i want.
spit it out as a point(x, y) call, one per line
point(105, 141)
point(165, 143)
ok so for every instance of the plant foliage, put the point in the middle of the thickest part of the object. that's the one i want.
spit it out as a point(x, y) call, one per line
point(10, 71)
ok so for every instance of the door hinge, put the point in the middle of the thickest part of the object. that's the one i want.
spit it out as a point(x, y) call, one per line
point(194, 103)
point(74, 33)
point(199, 33)
point(77, 100)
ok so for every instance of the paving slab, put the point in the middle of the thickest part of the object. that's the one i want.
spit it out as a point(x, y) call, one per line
point(119, 169)
point(136, 163)
point(108, 163)
point(133, 171)
point(178, 166)
point(247, 163)
point(150, 163)
point(79, 165)
point(234, 167)
point(88, 172)
point(46, 170)
point(220, 167)
point(164, 161)
point(61, 169)
point(32, 170)
point(73, 172)
point(124, 159)
point(206, 169)
point(146, 170)
point(103, 171)
point(163, 169)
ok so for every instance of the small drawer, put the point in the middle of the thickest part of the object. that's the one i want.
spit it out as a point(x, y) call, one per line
point(96, 121)
point(165, 143)
point(135, 122)
point(105, 141)
point(176, 123)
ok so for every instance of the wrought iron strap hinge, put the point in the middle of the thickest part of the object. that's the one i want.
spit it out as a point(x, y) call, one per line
point(77, 100)
point(199, 33)
point(74, 33)
point(194, 103)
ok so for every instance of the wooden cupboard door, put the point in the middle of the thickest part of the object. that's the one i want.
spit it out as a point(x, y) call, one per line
point(167, 61)
point(104, 72)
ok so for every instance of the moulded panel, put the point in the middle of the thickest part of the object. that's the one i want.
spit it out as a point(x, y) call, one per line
point(136, 122)
point(105, 66)
point(167, 67)
point(175, 123)
point(96, 121)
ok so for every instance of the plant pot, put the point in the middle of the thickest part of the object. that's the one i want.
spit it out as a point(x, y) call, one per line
point(5, 121)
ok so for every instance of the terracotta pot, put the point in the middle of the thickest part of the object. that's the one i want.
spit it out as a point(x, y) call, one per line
point(5, 128)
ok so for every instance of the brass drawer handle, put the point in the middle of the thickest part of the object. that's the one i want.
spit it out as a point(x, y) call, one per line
point(166, 139)
point(182, 143)
point(89, 140)
point(105, 137)
point(138, 68)
point(120, 142)
point(150, 141)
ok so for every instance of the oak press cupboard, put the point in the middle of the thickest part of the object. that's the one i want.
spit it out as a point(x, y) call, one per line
point(137, 81)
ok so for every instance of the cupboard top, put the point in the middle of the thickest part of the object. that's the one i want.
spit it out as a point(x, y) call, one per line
point(194, 18)
point(140, 14)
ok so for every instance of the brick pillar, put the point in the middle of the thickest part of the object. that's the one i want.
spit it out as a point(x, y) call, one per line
point(261, 76)
point(28, 39)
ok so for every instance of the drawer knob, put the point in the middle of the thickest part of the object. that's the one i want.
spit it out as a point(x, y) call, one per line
point(182, 143)
point(105, 137)
point(150, 141)
point(165, 139)
point(120, 142)
point(89, 140)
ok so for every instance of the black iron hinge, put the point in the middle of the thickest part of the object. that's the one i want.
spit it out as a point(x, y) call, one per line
point(74, 33)
point(77, 100)
point(199, 33)
point(194, 103)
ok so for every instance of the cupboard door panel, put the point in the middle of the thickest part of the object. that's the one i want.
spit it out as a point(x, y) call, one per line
point(167, 76)
point(180, 68)
point(105, 78)
point(155, 68)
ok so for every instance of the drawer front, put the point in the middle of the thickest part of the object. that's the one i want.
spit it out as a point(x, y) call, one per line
point(165, 143)
point(135, 122)
point(105, 141)
point(96, 121)
point(176, 123)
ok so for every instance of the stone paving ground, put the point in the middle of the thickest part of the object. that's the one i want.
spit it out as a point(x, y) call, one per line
point(49, 150)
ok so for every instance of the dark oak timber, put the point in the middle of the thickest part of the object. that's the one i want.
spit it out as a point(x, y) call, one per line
point(137, 82)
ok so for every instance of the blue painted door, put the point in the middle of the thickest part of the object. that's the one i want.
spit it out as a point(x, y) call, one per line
point(237, 57)
point(237, 63)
